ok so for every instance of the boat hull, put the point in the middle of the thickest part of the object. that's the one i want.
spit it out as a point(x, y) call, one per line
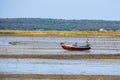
point(75, 48)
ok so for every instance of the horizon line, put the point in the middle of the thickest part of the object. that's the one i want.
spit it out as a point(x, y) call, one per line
point(53, 18)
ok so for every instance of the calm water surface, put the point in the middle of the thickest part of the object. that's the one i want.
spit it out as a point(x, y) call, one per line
point(54, 66)
point(51, 45)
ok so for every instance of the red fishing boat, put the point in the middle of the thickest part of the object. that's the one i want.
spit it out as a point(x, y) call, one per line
point(76, 47)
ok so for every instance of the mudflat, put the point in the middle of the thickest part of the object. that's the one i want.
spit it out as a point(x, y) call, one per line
point(47, 48)
point(63, 56)
point(57, 77)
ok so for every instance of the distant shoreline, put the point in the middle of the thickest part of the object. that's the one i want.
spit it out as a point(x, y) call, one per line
point(96, 34)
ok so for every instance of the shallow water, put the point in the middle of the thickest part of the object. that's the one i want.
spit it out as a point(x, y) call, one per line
point(54, 66)
point(51, 45)
point(59, 69)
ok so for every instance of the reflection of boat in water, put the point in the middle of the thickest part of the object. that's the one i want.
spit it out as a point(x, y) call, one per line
point(76, 47)
point(71, 47)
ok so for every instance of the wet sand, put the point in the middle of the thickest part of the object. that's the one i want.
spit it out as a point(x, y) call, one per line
point(56, 77)
point(63, 56)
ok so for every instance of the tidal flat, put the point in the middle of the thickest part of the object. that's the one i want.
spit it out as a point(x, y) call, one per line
point(34, 57)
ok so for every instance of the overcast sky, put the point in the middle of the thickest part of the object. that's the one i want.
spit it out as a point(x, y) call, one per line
point(61, 9)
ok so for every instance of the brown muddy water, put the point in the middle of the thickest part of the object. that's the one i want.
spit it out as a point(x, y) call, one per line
point(51, 45)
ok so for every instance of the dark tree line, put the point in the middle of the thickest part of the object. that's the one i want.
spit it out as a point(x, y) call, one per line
point(56, 24)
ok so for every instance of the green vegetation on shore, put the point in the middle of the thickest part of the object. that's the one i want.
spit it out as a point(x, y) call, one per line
point(38, 24)
point(59, 33)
